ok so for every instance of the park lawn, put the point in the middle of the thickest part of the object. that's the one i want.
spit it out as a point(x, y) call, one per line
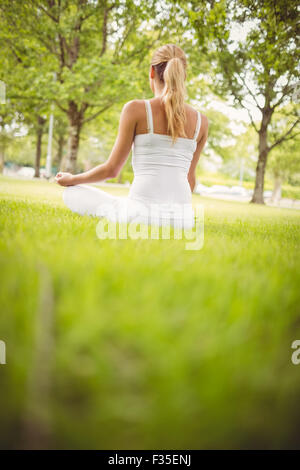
point(142, 344)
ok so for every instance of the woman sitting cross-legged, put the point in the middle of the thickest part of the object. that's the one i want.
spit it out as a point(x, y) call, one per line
point(166, 136)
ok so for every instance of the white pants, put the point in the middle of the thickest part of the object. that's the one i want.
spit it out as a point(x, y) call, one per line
point(85, 200)
point(88, 200)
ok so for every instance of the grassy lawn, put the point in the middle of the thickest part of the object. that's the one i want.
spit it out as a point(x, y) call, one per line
point(141, 343)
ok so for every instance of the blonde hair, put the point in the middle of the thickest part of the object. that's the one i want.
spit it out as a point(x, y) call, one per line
point(169, 62)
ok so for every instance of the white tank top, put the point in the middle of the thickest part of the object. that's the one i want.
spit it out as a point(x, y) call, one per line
point(160, 171)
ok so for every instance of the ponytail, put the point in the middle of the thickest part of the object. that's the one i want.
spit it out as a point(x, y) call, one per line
point(170, 64)
point(173, 97)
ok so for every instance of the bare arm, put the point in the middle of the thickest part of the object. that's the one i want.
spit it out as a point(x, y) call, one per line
point(200, 146)
point(118, 156)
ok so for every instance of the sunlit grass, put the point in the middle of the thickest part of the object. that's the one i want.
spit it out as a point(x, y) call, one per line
point(141, 343)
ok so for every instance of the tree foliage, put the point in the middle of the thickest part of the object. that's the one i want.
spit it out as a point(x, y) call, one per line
point(254, 47)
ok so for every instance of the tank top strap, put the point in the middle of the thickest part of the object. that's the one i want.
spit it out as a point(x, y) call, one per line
point(198, 125)
point(149, 116)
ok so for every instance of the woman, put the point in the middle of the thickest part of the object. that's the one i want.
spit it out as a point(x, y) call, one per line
point(166, 136)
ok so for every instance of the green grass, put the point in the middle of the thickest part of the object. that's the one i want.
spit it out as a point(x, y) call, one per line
point(116, 344)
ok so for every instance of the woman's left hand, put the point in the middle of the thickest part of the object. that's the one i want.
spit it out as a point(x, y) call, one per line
point(64, 179)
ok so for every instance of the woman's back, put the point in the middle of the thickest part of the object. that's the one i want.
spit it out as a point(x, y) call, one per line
point(166, 141)
point(161, 167)
point(159, 117)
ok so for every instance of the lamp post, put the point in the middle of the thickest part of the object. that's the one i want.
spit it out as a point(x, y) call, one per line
point(49, 147)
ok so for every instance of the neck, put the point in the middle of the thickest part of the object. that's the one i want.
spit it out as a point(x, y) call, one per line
point(158, 89)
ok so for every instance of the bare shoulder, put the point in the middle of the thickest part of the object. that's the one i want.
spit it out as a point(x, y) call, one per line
point(134, 106)
point(204, 123)
point(204, 119)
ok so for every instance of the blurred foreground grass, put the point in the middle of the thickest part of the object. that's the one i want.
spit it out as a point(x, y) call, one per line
point(116, 344)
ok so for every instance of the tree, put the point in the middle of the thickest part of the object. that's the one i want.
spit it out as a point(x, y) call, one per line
point(34, 117)
point(7, 120)
point(60, 137)
point(18, 70)
point(259, 68)
point(94, 47)
point(284, 160)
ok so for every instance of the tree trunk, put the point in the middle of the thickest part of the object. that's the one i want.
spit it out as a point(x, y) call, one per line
point(60, 149)
point(258, 194)
point(276, 195)
point(40, 130)
point(75, 124)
